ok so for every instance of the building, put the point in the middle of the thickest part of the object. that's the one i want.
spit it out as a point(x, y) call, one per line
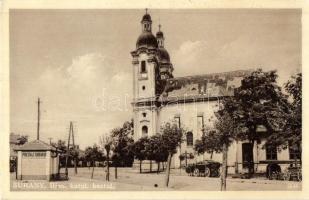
point(37, 160)
point(189, 101)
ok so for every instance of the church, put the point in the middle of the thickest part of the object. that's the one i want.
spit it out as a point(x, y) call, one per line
point(190, 101)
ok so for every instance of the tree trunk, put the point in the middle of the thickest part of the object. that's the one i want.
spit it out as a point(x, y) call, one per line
point(158, 170)
point(140, 166)
point(251, 166)
point(75, 165)
point(212, 153)
point(224, 167)
point(150, 165)
point(116, 175)
point(58, 166)
point(168, 169)
point(107, 170)
point(92, 170)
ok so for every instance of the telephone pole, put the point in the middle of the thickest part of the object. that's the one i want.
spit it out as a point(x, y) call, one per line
point(38, 127)
point(68, 151)
point(71, 132)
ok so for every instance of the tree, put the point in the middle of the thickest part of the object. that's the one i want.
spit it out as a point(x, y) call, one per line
point(208, 143)
point(156, 150)
point(226, 130)
point(61, 147)
point(258, 101)
point(172, 137)
point(293, 127)
point(291, 132)
point(74, 153)
point(93, 154)
point(106, 143)
point(139, 149)
point(22, 139)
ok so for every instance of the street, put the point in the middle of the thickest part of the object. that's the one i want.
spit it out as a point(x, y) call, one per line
point(129, 179)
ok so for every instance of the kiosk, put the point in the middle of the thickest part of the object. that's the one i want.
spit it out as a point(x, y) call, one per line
point(37, 160)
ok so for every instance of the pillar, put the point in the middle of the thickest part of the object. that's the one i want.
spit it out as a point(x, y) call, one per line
point(19, 171)
point(48, 165)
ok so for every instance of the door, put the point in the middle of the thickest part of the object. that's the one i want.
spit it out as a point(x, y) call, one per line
point(247, 156)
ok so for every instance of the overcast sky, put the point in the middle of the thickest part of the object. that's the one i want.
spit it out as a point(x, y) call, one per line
point(78, 61)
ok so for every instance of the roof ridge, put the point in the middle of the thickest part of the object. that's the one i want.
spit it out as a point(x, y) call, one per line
point(212, 74)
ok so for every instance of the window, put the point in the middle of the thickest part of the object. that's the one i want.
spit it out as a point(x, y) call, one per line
point(177, 119)
point(143, 87)
point(271, 152)
point(144, 131)
point(144, 114)
point(189, 139)
point(200, 124)
point(294, 152)
point(143, 66)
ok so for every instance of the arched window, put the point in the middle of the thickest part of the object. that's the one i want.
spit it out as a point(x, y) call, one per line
point(189, 139)
point(144, 131)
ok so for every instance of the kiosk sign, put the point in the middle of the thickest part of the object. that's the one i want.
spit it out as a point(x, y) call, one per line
point(34, 154)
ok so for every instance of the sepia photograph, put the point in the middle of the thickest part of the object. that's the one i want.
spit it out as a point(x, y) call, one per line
point(155, 99)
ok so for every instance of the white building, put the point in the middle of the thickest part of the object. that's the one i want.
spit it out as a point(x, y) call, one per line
point(37, 160)
point(192, 101)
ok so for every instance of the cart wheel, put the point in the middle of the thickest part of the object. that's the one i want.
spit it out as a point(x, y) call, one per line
point(196, 172)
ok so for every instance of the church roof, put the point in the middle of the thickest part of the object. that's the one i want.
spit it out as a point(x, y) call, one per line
point(163, 55)
point(146, 39)
point(146, 17)
point(203, 86)
point(35, 145)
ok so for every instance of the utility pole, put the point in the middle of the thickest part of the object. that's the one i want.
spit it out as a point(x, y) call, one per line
point(71, 132)
point(68, 152)
point(38, 127)
point(75, 156)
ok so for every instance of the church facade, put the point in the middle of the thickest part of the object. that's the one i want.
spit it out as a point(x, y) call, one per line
point(190, 102)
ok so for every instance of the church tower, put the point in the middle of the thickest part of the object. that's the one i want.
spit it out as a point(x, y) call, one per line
point(166, 67)
point(145, 77)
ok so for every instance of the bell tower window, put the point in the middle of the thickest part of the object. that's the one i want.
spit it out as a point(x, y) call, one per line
point(143, 66)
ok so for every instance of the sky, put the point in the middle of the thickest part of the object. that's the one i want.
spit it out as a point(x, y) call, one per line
point(78, 61)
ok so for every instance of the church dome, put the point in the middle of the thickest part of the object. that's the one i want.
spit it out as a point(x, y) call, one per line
point(159, 34)
point(147, 39)
point(146, 17)
point(163, 55)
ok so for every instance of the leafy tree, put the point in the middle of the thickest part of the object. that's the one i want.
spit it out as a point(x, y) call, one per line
point(139, 149)
point(258, 101)
point(122, 140)
point(22, 139)
point(208, 143)
point(74, 153)
point(172, 137)
point(156, 150)
point(291, 132)
point(224, 135)
point(93, 154)
point(61, 147)
point(293, 127)
point(107, 142)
